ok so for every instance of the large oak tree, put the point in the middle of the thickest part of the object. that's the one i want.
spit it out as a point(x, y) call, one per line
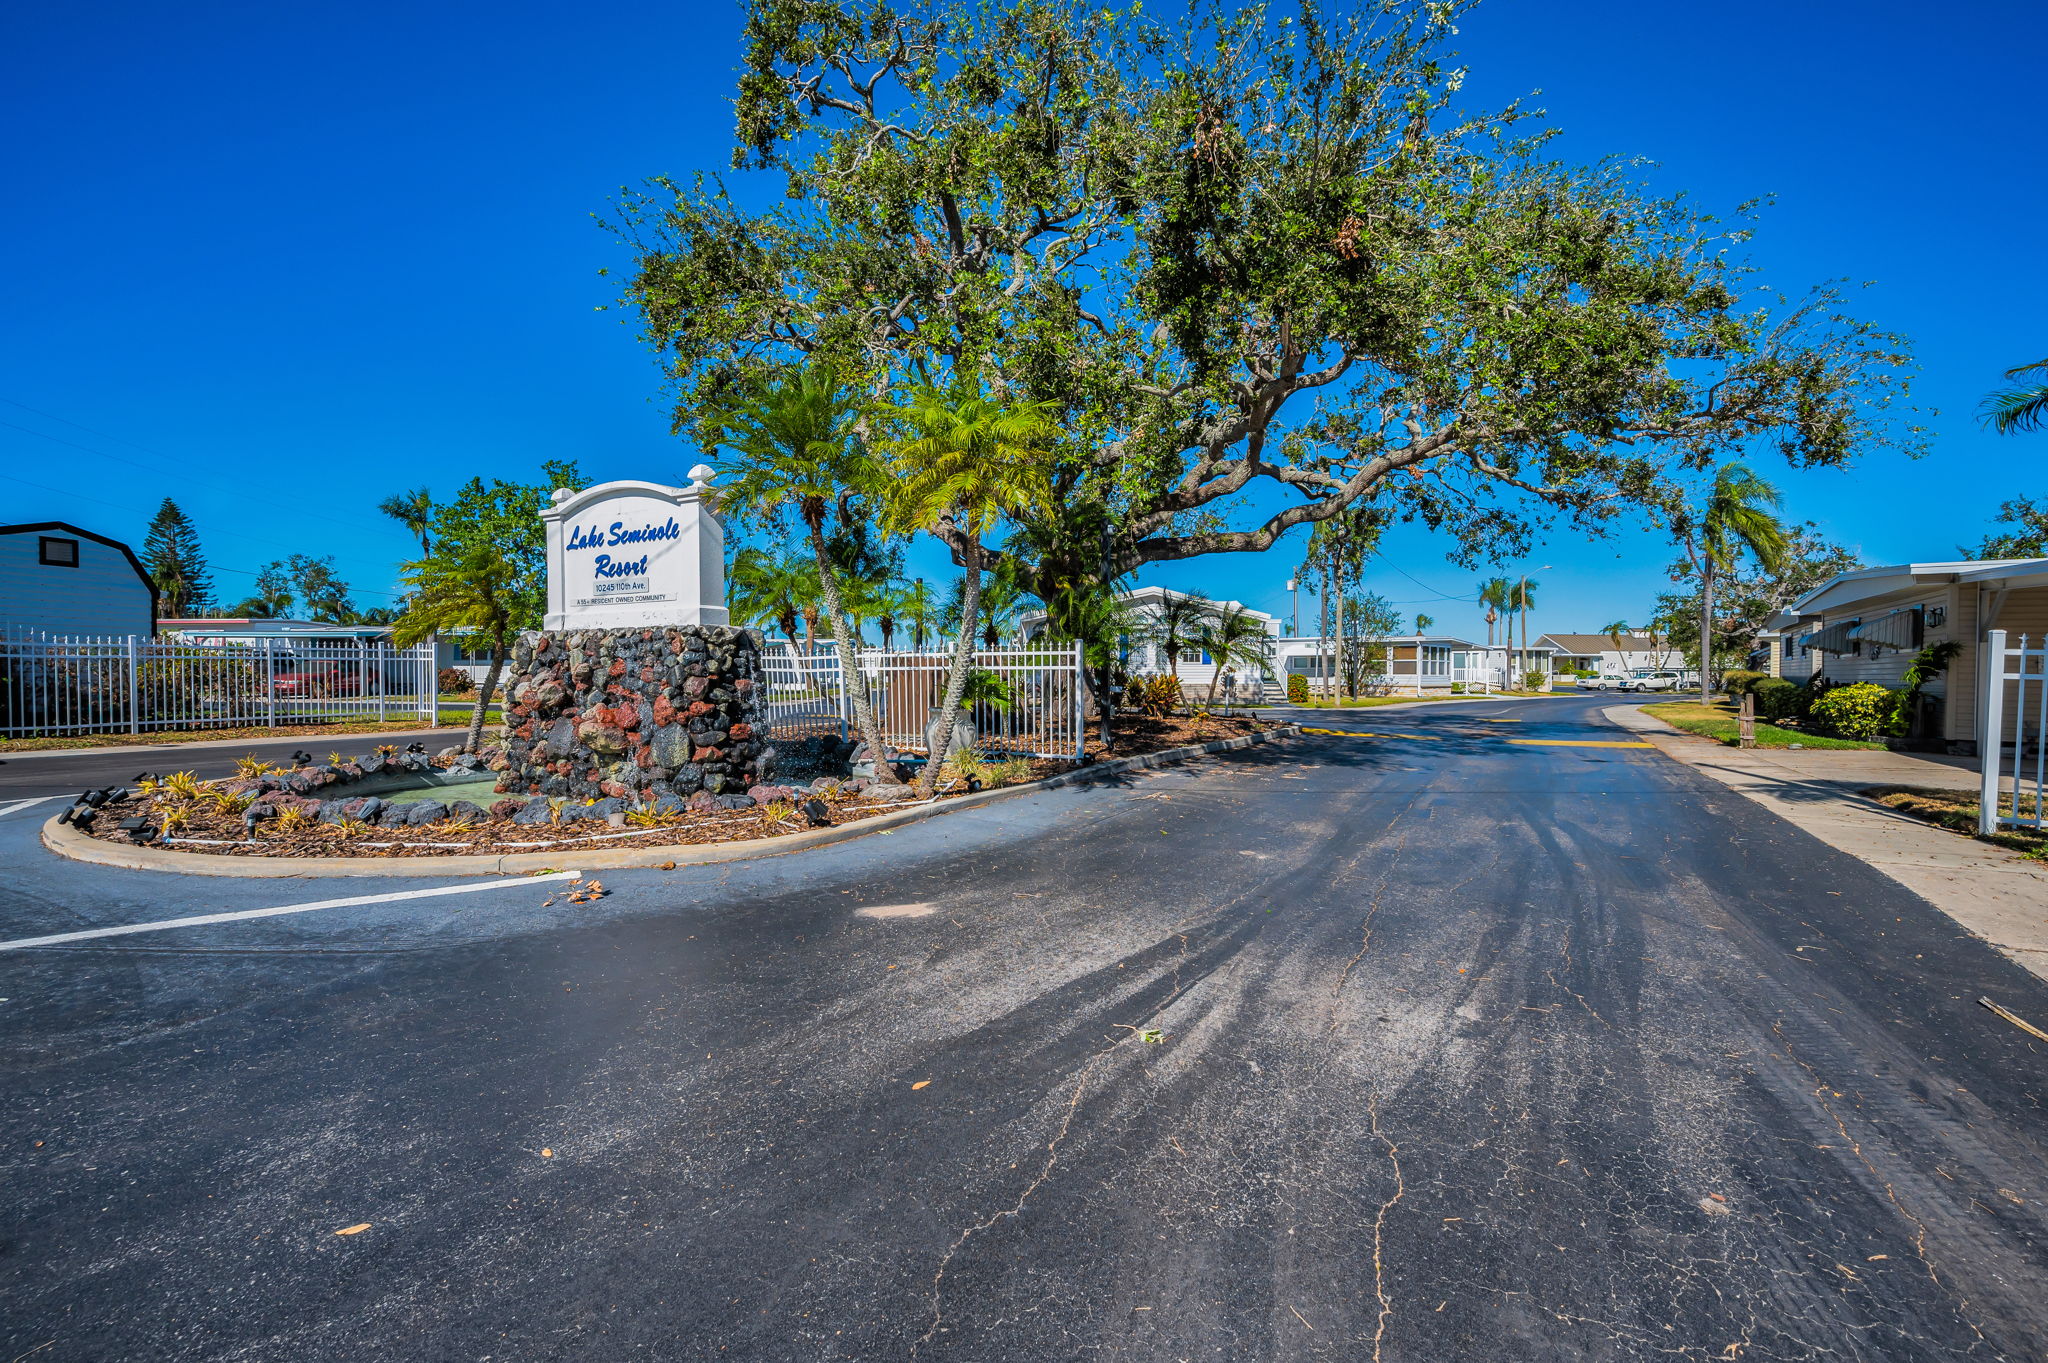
point(1262, 260)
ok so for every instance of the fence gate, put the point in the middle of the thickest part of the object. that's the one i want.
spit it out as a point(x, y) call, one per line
point(2012, 718)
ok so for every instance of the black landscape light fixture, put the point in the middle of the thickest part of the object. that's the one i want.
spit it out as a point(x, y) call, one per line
point(817, 814)
point(302, 758)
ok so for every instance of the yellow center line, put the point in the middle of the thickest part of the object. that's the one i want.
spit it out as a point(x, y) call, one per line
point(1359, 733)
point(1577, 743)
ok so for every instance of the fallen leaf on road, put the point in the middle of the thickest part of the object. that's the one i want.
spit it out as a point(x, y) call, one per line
point(666, 866)
point(920, 1084)
point(1875, 1257)
point(356, 1229)
point(546, 1152)
point(1713, 1208)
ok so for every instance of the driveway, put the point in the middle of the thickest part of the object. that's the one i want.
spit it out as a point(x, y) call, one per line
point(1445, 1037)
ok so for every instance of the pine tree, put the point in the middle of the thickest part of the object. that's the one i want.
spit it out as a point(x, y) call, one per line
point(176, 563)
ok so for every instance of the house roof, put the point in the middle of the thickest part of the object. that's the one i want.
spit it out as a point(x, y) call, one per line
point(1581, 644)
point(1867, 587)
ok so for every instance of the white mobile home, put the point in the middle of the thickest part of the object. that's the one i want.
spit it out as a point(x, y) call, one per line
point(1865, 626)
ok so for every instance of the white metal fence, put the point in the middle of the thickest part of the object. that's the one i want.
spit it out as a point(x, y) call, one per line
point(2012, 717)
point(61, 686)
point(1042, 716)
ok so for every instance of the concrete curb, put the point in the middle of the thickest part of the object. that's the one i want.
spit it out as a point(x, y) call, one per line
point(67, 841)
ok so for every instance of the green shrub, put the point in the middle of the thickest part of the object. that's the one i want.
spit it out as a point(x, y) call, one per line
point(1739, 681)
point(453, 681)
point(1535, 681)
point(1457, 688)
point(1297, 689)
point(1864, 711)
point(1778, 700)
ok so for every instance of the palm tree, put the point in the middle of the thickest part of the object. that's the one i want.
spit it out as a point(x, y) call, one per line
point(1003, 599)
point(770, 589)
point(2022, 407)
point(1175, 627)
point(918, 612)
point(1493, 594)
point(1423, 622)
point(1521, 596)
point(1617, 633)
point(793, 432)
point(476, 593)
point(1737, 516)
point(1229, 637)
point(966, 460)
point(415, 511)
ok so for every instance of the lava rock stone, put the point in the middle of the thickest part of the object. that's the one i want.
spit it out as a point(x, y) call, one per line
point(531, 813)
point(425, 812)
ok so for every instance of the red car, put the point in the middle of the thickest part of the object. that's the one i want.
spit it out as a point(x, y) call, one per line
point(318, 681)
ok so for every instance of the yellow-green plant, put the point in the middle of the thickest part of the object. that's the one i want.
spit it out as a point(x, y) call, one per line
point(652, 818)
point(221, 801)
point(181, 785)
point(292, 819)
point(347, 829)
point(172, 817)
point(253, 766)
point(779, 812)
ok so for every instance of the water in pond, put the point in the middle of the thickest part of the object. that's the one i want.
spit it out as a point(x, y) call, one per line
point(481, 791)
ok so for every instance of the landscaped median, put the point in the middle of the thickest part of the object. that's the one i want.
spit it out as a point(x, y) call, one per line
point(698, 837)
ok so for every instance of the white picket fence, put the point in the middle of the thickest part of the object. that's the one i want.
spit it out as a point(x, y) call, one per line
point(62, 686)
point(1042, 719)
point(2012, 717)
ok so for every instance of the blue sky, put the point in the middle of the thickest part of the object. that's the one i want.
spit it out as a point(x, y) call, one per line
point(280, 261)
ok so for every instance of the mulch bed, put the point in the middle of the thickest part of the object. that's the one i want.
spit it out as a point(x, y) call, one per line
point(220, 833)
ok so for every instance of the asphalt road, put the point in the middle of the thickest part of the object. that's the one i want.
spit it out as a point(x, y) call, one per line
point(47, 775)
point(1428, 1046)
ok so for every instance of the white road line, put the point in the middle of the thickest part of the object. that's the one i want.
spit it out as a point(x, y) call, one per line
point(201, 920)
point(16, 806)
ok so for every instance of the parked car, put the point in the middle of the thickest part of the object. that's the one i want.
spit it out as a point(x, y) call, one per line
point(1654, 681)
point(1604, 681)
point(318, 681)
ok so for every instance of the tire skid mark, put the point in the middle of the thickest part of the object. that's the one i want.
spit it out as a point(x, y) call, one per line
point(1822, 1088)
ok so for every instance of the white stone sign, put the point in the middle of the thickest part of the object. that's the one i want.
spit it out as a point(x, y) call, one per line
point(629, 553)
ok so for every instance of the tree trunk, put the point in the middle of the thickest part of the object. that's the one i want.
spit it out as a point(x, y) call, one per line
point(483, 696)
point(1343, 653)
point(939, 736)
point(1526, 669)
point(1706, 628)
point(851, 678)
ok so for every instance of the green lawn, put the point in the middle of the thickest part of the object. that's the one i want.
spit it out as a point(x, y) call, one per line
point(1720, 722)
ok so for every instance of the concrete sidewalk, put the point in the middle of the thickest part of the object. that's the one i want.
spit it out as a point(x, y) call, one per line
point(1997, 894)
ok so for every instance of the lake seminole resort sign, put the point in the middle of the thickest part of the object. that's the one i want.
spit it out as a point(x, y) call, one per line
point(632, 553)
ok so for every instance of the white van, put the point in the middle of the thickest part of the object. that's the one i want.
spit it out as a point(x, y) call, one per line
point(1654, 680)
